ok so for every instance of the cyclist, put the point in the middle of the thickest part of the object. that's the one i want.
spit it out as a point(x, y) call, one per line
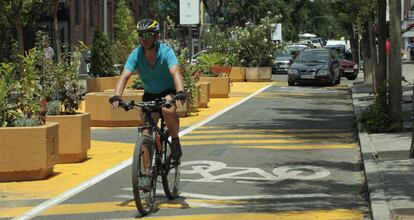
point(159, 71)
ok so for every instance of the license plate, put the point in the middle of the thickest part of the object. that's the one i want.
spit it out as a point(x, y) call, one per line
point(349, 71)
point(283, 66)
point(307, 76)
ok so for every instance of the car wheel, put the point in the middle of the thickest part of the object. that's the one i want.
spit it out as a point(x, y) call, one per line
point(352, 77)
point(291, 83)
point(338, 81)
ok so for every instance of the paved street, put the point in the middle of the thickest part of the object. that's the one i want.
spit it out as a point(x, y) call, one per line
point(287, 152)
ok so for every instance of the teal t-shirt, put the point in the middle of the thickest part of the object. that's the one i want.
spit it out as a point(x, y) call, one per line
point(157, 78)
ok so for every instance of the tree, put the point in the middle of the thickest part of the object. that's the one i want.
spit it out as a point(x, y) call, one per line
point(101, 56)
point(381, 74)
point(395, 87)
point(124, 39)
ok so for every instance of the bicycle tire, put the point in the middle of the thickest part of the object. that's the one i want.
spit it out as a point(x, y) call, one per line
point(171, 175)
point(143, 181)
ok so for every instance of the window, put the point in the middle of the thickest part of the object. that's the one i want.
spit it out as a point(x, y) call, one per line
point(77, 12)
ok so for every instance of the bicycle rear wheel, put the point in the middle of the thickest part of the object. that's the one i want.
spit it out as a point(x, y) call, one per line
point(171, 174)
point(144, 176)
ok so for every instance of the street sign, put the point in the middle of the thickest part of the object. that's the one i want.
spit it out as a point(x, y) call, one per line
point(189, 12)
point(277, 32)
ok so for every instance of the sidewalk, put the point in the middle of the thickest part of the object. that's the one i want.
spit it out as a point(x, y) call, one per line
point(389, 172)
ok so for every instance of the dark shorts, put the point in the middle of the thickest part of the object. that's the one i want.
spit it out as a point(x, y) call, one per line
point(151, 97)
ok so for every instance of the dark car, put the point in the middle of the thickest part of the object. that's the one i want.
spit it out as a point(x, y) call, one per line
point(315, 65)
point(283, 58)
point(349, 68)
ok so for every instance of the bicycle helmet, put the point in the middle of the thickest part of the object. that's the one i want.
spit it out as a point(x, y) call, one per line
point(148, 25)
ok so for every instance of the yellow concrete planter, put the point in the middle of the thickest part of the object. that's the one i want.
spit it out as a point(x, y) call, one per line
point(204, 95)
point(238, 74)
point(74, 136)
point(104, 115)
point(101, 83)
point(184, 110)
point(28, 153)
point(258, 74)
point(219, 86)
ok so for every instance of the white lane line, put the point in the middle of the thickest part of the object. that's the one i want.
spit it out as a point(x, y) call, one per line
point(66, 195)
point(251, 197)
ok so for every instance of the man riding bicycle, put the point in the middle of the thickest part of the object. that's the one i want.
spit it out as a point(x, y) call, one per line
point(159, 71)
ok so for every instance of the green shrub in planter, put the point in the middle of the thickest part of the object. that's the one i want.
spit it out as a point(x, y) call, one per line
point(102, 64)
point(137, 84)
point(253, 43)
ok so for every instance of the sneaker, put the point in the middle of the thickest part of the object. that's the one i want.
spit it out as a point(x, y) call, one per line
point(176, 152)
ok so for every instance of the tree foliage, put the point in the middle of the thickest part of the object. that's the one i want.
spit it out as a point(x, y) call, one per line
point(125, 35)
point(102, 63)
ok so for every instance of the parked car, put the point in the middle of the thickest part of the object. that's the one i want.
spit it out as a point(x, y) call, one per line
point(349, 68)
point(283, 58)
point(315, 66)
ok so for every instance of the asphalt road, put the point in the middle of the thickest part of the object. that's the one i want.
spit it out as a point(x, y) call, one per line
point(287, 153)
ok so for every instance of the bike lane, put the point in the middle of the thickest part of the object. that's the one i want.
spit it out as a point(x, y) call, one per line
point(261, 160)
point(109, 147)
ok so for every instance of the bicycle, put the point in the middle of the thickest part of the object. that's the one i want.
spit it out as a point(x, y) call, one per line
point(152, 157)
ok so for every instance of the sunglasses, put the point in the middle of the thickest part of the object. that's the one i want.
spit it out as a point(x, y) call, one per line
point(146, 35)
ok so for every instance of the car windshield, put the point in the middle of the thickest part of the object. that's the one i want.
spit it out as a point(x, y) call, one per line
point(313, 56)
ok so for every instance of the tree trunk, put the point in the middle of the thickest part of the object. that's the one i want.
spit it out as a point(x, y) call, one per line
point(395, 88)
point(354, 45)
point(373, 52)
point(367, 56)
point(56, 28)
point(381, 73)
point(412, 136)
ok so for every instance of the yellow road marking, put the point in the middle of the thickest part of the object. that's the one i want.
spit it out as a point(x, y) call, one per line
point(107, 207)
point(303, 147)
point(336, 214)
point(246, 135)
point(259, 141)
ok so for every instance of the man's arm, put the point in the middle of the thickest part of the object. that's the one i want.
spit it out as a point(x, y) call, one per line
point(120, 85)
point(178, 82)
point(178, 79)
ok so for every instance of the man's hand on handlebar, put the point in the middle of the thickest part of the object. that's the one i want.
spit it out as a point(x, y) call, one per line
point(180, 98)
point(114, 100)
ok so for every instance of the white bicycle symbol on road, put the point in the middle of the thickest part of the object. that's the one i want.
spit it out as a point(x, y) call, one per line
point(206, 168)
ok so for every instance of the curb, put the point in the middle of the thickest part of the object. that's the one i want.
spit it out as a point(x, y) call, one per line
point(375, 188)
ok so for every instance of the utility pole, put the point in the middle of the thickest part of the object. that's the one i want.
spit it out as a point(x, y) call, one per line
point(395, 87)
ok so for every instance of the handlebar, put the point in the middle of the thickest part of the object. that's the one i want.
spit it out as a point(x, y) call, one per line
point(159, 103)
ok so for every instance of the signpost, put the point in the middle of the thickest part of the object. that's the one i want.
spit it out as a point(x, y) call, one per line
point(189, 15)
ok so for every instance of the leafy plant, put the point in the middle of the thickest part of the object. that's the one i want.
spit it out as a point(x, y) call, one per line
point(376, 118)
point(29, 102)
point(125, 39)
point(253, 43)
point(189, 82)
point(101, 56)
point(8, 106)
point(60, 81)
point(137, 84)
point(53, 107)
point(207, 60)
point(70, 92)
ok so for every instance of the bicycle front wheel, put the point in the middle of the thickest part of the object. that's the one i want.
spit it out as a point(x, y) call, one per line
point(144, 176)
point(171, 174)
